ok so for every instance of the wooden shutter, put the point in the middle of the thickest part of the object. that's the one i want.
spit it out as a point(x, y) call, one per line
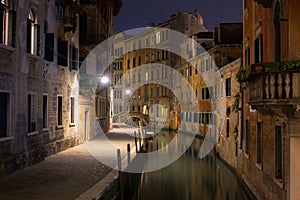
point(76, 58)
point(28, 36)
point(71, 58)
point(38, 39)
point(1, 22)
point(13, 26)
point(49, 46)
point(62, 49)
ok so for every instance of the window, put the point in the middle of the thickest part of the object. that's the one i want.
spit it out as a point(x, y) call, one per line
point(259, 143)
point(73, 61)
point(45, 111)
point(157, 37)
point(133, 62)
point(49, 47)
point(245, 4)
point(158, 55)
point(247, 57)
point(31, 113)
point(167, 54)
point(59, 111)
point(7, 24)
point(140, 60)
point(62, 51)
point(247, 147)
point(228, 87)
point(278, 152)
point(227, 127)
point(258, 49)
point(147, 42)
point(33, 35)
point(152, 39)
point(72, 120)
point(4, 114)
point(157, 91)
point(151, 92)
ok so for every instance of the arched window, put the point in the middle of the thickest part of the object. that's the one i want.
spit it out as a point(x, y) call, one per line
point(33, 34)
point(4, 23)
point(277, 28)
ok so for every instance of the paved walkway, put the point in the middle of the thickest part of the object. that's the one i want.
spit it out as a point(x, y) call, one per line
point(67, 175)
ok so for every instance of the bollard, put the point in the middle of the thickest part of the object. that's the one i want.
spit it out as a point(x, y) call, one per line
point(140, 141)
point(135, 141)
point(120, 173)
point(128, 154)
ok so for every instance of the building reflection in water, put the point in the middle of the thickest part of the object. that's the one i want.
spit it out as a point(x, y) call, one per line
point(191, 178)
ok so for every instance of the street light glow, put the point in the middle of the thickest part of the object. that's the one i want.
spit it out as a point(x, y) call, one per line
point(104, 80)
point(127, 92)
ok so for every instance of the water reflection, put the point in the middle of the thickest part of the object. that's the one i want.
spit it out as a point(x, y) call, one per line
point(191, 178)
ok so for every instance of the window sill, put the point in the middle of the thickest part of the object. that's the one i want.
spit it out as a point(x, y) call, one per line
point(5, 50)
point(32, 133)
point(32, 57)
point(59, 127)
point(45, 129)
point(279, 182)
point(6, 138)
point(72, 125)
point(258, 166)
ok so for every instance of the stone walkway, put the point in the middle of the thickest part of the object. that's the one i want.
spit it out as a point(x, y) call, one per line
point(66, 175)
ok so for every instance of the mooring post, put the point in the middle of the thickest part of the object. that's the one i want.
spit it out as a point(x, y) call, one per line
point(120, 173)
point(128, 154)
point(135, 141)
point(140, 135)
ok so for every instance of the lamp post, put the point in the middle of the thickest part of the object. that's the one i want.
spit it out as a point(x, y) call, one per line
point(104, 81)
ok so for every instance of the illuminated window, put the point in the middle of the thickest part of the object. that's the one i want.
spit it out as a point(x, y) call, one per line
point(7, 24)
point(33, 35)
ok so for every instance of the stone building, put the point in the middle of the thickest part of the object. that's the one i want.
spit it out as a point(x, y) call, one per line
point(209, 72)
point(96, 25)
point(269, 146)
point(150, 99)
point(38, 81)
point(229, 89)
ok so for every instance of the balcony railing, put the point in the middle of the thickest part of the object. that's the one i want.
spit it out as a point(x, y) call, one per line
point(277, 85)
point(281, 85)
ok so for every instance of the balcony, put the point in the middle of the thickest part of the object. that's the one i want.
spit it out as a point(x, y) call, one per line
point(274, 87)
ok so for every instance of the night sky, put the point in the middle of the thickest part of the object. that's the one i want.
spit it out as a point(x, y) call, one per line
point(139, 13)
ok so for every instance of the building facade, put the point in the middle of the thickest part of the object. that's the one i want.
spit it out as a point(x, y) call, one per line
point(96, 25)
point(39, 81)
point(150, 99)
point(270, 122)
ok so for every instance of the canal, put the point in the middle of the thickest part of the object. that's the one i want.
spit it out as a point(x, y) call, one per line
point(191, 178)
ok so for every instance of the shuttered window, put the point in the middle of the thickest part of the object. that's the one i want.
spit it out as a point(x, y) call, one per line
point(31, 113)
point(49, 46)
point(73, 61)
point(62, 49)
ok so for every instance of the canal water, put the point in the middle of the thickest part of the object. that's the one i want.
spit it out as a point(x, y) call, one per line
point(191, 178)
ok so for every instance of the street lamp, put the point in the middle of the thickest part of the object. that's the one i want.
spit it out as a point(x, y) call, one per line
point(104, 81)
